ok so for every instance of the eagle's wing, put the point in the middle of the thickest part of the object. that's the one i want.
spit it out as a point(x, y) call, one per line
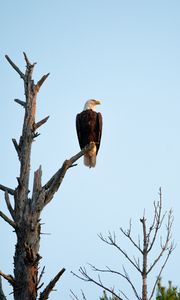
point(99, 130)
point(78, 130)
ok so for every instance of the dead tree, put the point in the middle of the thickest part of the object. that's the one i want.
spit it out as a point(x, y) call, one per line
point(142, 265)
point(24, 207)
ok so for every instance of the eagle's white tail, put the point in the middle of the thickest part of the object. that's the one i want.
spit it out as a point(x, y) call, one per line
point(90, 157)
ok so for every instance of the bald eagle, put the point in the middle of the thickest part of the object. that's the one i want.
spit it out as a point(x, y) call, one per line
point(89, 129)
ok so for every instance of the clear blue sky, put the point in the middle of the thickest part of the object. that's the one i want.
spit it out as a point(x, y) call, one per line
point(126, 53)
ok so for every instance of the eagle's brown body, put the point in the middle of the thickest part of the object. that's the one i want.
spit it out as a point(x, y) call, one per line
point(89, 129)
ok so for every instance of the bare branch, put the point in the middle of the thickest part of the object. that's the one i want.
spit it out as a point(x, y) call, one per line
point(55, 181)
point(40, 82)
point(9, 278)
point(87, 148)
point(38, 194)
point(5, 188)
point(40, 277)
point(45, 294)
point(157, 221)
point(16, 146)
point(84, 297)
point(70, 162)
point(22, 103)
point(111, 241)
point(87, 278)
point(37, 181)
point(131, 284)
point(137, 262)
point(125, 275)
point(107, 270)
point(124, 295)
point(127, 233)
point(28, 78)
point(139, 242)
point(29, 66)
point(8, 203)
point(35, 135)
point(165, 246)
point(40, 123)
point(27, 60)
point(15, 67)
point(171, 248)
point(73, 296)
point(9, 221)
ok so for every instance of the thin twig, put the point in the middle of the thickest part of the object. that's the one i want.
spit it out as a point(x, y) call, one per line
point(40, 277)
point(127, 233)
point(131, 284)
point(87, 278)
point(84, 297)
point(164, 246)
point(160, 272)
point(125, 275)
point(75, 296)
point(156, 222)
point(111, 241)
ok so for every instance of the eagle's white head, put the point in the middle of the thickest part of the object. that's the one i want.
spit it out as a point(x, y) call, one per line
point(91, 104)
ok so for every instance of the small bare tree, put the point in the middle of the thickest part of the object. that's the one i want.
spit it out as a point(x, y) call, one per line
point(142, 264)
point(24, 207)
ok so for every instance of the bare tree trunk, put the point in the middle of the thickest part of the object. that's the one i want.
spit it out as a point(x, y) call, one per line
point(25, 215)
point(145, 254)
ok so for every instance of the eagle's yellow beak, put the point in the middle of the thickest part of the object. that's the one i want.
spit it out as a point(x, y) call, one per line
point(98, 102)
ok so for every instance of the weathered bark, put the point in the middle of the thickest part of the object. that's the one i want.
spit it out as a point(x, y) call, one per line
point(27, 208)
